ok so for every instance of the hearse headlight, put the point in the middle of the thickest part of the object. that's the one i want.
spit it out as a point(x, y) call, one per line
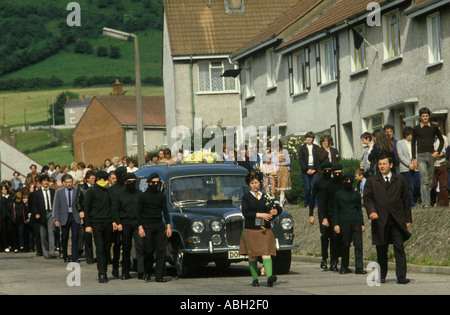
point(287, 223)
point(216, 225)
point(198, 226)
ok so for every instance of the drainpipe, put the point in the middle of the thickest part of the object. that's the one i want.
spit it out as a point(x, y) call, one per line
point(338, 98)
point(192, 93)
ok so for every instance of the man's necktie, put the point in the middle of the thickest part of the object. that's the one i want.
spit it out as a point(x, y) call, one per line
point(48, 199)
point(70, 198)
point(387, 180)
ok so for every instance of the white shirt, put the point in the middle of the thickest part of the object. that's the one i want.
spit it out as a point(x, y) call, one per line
point(45, 192)
point(310, 154)
point(259, 194)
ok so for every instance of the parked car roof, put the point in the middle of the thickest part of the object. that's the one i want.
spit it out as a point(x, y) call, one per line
point(167, 171)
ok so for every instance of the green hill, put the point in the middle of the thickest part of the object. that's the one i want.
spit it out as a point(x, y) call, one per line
point(39, 50)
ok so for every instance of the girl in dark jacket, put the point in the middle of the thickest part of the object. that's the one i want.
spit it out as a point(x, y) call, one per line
point(18, 217)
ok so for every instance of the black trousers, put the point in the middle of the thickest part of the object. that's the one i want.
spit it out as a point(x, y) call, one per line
point(129, 233)
point(18, 234)
point(393, 233)
point(328, 235)
point(102, 239)
point(88, 247)
point(351, 231)
point(65, 229)
point(155, 242)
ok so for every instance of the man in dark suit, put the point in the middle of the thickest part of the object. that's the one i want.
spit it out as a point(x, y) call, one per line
point(386, 198)
point(42, 211)
point(309, 163)
point(67, 216)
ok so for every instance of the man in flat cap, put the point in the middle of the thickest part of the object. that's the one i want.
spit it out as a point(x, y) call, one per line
point(349, 222)
point(99, 221)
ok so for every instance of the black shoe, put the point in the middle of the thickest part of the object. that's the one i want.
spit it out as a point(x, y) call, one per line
point(125, 276)
point(255, 283)
point(383, 280)
point(102, 279)
point(271, 280)
point(403, 281)
point(323, 264)
point(140, 276)
point(344, 271)
point(115, 273)
point(146, 277)
point(360, 271)
point(160, 280)
point(333, 267)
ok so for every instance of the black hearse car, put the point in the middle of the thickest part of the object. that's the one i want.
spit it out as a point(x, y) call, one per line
point(204, 206)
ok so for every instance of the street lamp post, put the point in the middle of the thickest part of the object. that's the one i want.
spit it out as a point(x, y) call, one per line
point(140, 125)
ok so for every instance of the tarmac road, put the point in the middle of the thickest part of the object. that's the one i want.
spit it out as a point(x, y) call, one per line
point(26, 274)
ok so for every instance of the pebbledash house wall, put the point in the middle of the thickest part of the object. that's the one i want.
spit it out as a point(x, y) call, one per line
point(211, 107)
point(395, 89)
point(266, 107)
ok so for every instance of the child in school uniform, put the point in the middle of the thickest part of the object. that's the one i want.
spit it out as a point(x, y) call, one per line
point(349, 223)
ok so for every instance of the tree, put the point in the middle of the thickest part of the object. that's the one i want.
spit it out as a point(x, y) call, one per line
point(102, 51)
point(114, 52)
point(61, 100)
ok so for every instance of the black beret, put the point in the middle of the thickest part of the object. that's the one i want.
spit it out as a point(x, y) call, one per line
point(120, 169)
point(129, 176)
point(101, 175)
point(336, 167)
point(325, 164)
point(151, 176)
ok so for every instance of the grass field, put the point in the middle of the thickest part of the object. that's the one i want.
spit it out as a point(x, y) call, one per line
point(67, 65)
point(37, 103)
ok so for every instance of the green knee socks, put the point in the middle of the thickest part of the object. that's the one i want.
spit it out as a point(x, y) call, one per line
point(267, 263)
point(253, 269)
point(268, 266)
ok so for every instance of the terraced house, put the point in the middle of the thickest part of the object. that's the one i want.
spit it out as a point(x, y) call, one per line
point(198, 38)
point(344, 67)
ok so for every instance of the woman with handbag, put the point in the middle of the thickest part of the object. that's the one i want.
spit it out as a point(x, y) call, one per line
point(257, 238)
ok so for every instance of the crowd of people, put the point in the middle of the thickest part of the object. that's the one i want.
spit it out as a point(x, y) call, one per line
point(393, 175)
point(103, 205)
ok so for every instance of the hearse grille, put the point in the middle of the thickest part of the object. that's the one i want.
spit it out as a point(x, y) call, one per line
point(233, 228)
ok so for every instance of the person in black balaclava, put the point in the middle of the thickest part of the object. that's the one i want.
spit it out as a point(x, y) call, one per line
point(349, 222)
point(328, 215)
point(124, 212)
point(319, 191)
point(154, 226)
point(116, 237)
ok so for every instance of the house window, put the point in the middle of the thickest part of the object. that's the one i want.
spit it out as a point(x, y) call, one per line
point(73, 120)
point(301, 71)
point(328, 60)
point(135, 141)
point(434, 38)
point(72, 111)
point(391, 32)
point(358, 55)
point(210, 79)
point(374, 123)
point(270, 59)
point(249, 91)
